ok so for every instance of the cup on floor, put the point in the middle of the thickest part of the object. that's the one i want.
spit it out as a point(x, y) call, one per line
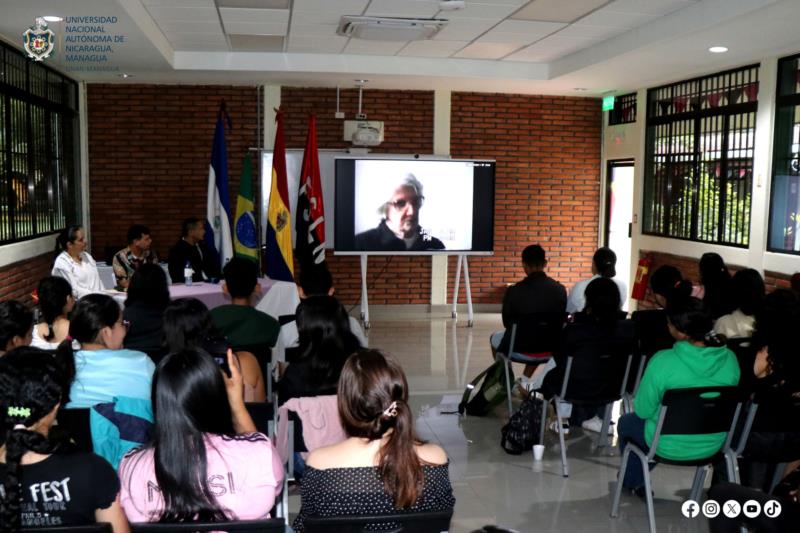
point(538, 452)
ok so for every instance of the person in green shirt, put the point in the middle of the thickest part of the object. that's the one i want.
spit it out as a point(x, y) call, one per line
point(699, 358)
point(244, 326)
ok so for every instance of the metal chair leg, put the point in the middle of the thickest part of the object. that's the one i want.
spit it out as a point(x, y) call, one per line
point(648, 492)
point(777, 476)
point(602, 442)
point(560, 427)
point(618, 491)
point(506, 364)
point(699, 481)
point(543, 423)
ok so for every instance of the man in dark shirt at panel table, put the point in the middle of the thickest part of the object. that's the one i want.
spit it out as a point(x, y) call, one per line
point(192, 249)
point(536, 293)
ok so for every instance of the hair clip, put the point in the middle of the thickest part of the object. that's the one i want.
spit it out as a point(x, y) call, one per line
point(391, 411)
point(20, 427)
point(19, 411)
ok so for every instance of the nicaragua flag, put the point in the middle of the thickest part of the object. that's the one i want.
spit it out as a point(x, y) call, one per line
point(218, 203)
point(310, 216)
point(280, 261)
point(244, 237)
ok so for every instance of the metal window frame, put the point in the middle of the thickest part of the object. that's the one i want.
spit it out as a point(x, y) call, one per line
point(622, 103)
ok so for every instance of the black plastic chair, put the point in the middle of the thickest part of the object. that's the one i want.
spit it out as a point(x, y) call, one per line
point(595, 372)
point(433, 522)
point(532, 340)
point(242, 526)
point(100, 527)
point(262, 414)
point(75, 424)
point(690, 411)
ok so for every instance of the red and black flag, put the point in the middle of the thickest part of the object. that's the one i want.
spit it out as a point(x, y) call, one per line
point(310, 214)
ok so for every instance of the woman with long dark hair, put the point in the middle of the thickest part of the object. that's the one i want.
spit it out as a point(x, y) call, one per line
point(74, 263)
point(604, 265)
point(200, 466)
point(699, 358)
point(16, 325)
point(188, 324)
point(102, 369)
point(667, 283)
point(148, 296)
point(383, 461)
point(716, 285)
point(40, 487)
point(748, 291)
point(55, 304)
point(325, 342)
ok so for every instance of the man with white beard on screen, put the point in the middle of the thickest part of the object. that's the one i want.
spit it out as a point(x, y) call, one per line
point(400, 230)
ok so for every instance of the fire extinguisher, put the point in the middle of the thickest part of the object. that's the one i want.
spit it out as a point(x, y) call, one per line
point(642, 277)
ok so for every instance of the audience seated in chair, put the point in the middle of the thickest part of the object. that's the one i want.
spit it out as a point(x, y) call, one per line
point(102, 369)
point(32, 472)
point(536, 293)
point(748, 297)
point(206, 462)
point(188, 324)
point(55, 304)
point(239, 321)
point(699, 358)
point(715, 285)
point(604, 263)
point(16, 326)
point(314, 280)
point(383, 460)
point(75, 264)
point(148, 296)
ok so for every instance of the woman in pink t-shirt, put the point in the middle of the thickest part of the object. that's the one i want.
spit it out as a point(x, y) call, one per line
point(206, 463)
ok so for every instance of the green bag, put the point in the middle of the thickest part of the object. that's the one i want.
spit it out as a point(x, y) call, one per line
point(492, 391)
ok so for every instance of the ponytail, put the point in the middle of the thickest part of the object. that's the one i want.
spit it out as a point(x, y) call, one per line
point(605, 262)
point(398, 464)
point(53, 292)
point(18, 441)
point(65, 359)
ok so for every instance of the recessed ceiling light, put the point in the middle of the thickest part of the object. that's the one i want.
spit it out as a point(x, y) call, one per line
point(718, 49)
point(52, 18)
point(580, 89)
point(125, 76)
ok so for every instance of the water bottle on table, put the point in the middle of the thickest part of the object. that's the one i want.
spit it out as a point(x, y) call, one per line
point(187, 274)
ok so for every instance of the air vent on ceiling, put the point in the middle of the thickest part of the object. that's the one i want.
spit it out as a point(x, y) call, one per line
point(389, 28)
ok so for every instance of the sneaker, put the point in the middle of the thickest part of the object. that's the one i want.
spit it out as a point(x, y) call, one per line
point(596, 424)
point(564, 427)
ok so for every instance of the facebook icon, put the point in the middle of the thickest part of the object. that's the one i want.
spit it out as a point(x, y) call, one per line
point(690, 509)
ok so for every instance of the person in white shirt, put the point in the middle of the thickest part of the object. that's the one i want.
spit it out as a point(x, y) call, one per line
point(75, 264)
point(313, 281)
point(748, 291)
point(604, 264)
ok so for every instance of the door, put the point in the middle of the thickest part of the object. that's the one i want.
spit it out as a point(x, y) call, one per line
point(619, 216)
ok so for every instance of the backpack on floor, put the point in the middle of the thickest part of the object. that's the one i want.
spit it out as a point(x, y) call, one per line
point(491, 393)
point(524, 427)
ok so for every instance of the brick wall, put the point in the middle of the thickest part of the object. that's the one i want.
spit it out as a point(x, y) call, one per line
point(547, 188)
point(690, 270)
point(18, 280)
point(149, 151)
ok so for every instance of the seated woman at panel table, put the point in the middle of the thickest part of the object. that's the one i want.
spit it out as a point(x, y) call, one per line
point(383, 461)
point(188, 325)
point(33, 477)
point(148, 296)
point(699, 358)
point(102, 369)
point(74, 263)
point(16, 325)
point(55, 304)
point(206, 462)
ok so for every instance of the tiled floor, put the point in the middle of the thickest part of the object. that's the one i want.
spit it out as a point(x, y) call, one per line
point(491, 487)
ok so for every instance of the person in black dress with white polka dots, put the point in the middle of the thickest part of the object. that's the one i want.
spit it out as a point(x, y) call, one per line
point(383, 467)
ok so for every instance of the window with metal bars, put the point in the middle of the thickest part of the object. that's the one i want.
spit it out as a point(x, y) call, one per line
point(784, 211)
point(39, 184)
point(700, 140)
point(624, 111)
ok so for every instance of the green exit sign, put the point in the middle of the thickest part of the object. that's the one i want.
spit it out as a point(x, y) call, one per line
point(608, 103)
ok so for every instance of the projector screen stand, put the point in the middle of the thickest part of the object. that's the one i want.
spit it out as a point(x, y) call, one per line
point(462, 261)
point(364, 302)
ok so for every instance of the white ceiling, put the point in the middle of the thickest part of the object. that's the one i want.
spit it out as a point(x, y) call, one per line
point(538, 46)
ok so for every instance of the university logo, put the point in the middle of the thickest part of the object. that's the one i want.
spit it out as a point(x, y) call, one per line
point(38, 40)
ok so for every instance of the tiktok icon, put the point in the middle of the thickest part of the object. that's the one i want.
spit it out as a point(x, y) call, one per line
point(772, 508)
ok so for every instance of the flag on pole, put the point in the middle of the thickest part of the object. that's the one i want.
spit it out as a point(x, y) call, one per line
point(245, 243)
point(280, 262)
point(310, 216)
point(218, 203)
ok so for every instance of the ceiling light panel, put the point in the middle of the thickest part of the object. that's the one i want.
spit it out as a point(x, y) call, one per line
point(650, 7)
point(486, 50)
point(267, 16)
point(185, 14)
point(557, 10)
point(255, 4)
point(583, 31)
point(480, 11)
point(520, 31)
point(407, 8)
point(179, 3)
point(432, 48)
point(340, 7)
point(256, 43)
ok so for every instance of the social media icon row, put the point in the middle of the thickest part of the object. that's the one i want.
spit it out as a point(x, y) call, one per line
point(730, 508)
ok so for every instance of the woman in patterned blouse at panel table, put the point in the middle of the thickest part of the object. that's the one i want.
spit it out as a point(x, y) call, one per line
point(383, 462)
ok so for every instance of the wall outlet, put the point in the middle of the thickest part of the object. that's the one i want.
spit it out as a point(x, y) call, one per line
point(361, 116)
point(339, 114)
